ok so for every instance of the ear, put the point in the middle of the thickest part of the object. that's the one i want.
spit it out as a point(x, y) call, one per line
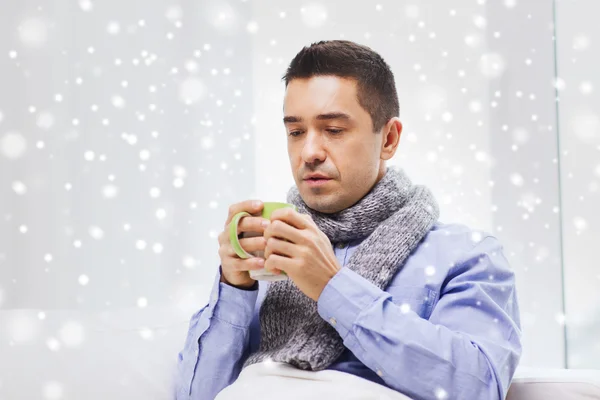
point(391, 138)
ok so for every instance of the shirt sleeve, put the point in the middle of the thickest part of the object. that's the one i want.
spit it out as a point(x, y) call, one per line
point(217, 342)
point(468, 349)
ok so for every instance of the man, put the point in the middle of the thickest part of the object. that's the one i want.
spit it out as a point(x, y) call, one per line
point(379, 293)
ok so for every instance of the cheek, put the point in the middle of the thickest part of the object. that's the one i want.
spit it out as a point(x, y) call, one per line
point(358, 156)
point(294, 155)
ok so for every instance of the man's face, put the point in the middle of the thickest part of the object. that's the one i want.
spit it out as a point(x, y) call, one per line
point(329, 133)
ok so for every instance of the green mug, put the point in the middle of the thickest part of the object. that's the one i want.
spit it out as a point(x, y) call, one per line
point(260, 274)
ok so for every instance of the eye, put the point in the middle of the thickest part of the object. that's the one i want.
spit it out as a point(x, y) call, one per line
point(294, 133)
point(334, 131)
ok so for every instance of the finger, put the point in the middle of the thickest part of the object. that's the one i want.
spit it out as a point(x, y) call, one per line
point(280, 229)
point(290, 217)
point(250, 206)
point(253, 224)
point(223, 237)
point(279, 247)
point(253, 244)
point(277, 262)
point(248, 264)
point(250, 245)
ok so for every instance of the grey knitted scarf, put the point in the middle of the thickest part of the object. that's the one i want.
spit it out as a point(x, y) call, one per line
point(393, 217)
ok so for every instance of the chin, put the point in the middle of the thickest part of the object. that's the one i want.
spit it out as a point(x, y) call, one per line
point(325, 204)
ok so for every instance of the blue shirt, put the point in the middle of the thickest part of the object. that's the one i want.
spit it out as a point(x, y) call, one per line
point(446, 327)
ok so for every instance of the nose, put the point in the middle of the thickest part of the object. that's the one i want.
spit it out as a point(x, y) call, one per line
point(313, 151)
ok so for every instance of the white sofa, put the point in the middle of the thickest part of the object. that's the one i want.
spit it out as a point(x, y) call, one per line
point(131, 354)
point(555, 384)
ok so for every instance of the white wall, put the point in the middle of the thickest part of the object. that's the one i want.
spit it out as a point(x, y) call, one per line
point(100, 271)
point(579, 110)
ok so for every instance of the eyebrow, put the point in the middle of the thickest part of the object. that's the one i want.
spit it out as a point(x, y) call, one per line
point(321, 117)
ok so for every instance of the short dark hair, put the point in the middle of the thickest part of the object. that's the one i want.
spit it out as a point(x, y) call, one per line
point(375, 81)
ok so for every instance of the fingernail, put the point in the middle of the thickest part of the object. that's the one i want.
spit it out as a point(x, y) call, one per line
point(261, 262)
point(256, 204)
point(265, 223)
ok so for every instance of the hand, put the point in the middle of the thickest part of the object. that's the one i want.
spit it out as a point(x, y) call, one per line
point(297, 246)
point(235, 269)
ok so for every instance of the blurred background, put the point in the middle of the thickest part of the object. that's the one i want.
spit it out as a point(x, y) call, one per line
point(128, 128)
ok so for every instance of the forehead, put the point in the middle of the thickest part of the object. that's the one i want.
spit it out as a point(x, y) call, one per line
point(321, 94)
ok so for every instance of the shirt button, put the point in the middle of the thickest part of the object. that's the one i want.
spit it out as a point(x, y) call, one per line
point(341, 245)
point(379, 372)
point(333, 321)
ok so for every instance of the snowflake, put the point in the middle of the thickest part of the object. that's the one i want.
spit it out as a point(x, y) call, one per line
point(72, 334)
point(480, 21)
point(191, 90)
point(174, 13)
point(53, 344)
point(476, 236)
point(142, 302)
point(13, 145)
point(45, 120)
point(411, 11)
point(113, 28)
point(520, 136)
point(475, 106)
point(110, 191)
point(86, 5)
point(447, 117)
point(473, 40)
point(441, 394)
point(33, 32)
point(89, 155)
point(144, 154)
point(252, 27)
point(189, 262)
point(580, 223)
point(560, 84)
point(22, 328)
point(96, 232)
point(157, 248)
point(118, 102)
point(586, 126)
point(146, 333)
point(586, 87)
point(52, 390)
point(83, 280)
point(154, 192)
point(19, 187)
point(492, 65)
point(314, 15)
point(516, 179)
point(581, 42)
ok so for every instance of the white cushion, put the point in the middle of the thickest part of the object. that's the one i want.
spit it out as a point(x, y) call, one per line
point(69, 354)
point(554, 384)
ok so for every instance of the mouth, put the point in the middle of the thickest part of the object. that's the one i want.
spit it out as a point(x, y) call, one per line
point(317, 181)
